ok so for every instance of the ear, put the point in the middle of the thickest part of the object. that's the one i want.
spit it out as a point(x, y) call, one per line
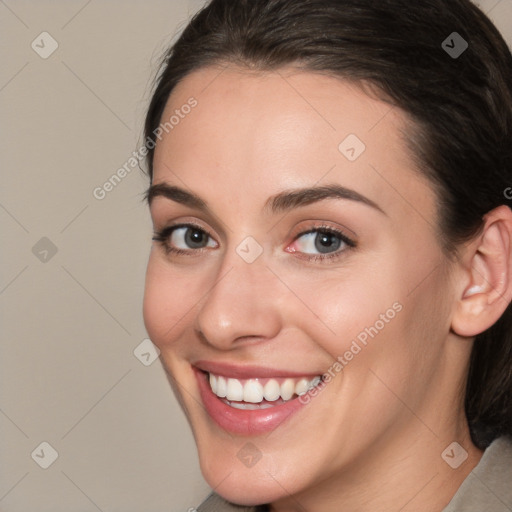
point(487, 282)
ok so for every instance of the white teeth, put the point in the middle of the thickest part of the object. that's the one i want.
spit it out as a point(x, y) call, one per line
point(314, 383)
point(272, 390)
point(222, 387)
point(251, 391)
point(302, 386)
point(213, 383)
point(250, 407)
point(287, 389)
point(235, 390)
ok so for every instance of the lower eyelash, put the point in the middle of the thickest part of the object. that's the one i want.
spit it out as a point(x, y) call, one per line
point(162, 238)
point(329, 257)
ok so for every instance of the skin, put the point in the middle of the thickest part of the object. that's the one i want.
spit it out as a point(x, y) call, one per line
point(373, 438)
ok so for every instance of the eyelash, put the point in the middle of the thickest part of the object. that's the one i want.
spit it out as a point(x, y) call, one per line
point(329, 257)
point(162, 237)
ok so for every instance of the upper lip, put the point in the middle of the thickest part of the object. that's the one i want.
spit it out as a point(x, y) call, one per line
point(248, 371)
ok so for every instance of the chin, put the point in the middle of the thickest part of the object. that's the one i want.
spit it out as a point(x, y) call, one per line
point(240, 485)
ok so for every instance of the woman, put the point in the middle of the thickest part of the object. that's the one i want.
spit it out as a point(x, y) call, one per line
point(331, 275)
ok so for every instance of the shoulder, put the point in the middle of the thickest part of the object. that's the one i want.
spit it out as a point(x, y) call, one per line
point(214, 503)
point(487, 487)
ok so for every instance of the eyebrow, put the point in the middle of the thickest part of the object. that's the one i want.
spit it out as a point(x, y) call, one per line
point(290, 199)
point(281, 202)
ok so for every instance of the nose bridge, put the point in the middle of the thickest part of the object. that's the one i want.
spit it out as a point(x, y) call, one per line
point(240, 302)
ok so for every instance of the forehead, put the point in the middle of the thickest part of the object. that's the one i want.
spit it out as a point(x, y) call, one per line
point(262, 132)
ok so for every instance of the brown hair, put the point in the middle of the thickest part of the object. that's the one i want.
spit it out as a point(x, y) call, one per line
point(460, 107)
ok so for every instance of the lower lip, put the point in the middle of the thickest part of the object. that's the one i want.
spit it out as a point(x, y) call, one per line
point(241, 421)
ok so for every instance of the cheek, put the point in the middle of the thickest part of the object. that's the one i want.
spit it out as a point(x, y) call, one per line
point(344, 306)
point(168, 298)
point(372, 313)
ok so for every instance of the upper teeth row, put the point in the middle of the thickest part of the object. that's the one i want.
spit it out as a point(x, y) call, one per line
point(253, 391)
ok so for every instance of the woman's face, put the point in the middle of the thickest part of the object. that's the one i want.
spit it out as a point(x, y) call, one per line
point(313, 251)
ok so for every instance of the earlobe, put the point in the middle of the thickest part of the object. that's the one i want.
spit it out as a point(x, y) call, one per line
point(488, 276)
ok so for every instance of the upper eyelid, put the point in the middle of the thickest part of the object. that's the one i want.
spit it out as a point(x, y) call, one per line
point(299, 232)
point(163, 235)
point(183, 224)
point(180, 225)
point(337, 231)
point(222, 228)
point(218, 225)
point(320, 229)
point(323, 226)
point(347, 240)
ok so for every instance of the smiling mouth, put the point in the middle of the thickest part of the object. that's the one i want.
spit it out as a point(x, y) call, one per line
point(259, 393)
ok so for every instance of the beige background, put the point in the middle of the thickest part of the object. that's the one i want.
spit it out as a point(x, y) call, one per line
point(70, 321)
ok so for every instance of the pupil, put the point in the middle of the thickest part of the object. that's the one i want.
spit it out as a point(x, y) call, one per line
point(326, 242)
point(195, 238)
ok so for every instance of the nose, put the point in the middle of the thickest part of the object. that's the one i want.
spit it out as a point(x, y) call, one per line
point(242, 304)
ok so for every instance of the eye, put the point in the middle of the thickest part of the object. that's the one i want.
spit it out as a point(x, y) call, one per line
point(321, 243)
point(184, 238)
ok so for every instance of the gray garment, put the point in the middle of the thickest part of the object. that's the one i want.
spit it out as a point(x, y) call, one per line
point(214, 503)
point(488, 488)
